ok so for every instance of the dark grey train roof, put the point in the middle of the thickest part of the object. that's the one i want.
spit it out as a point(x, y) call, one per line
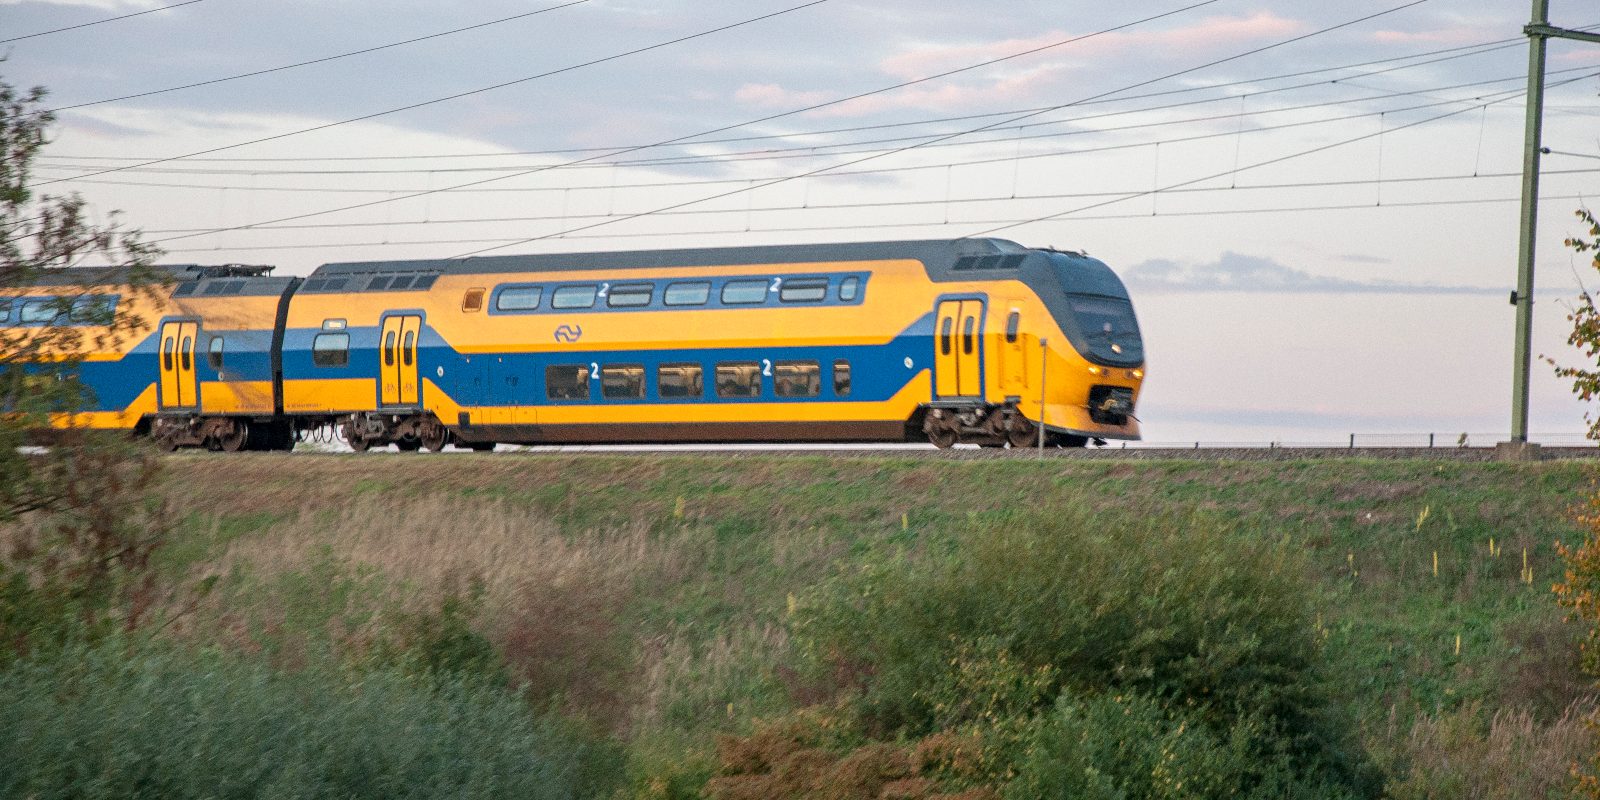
point(113, 276)
point(939, 256)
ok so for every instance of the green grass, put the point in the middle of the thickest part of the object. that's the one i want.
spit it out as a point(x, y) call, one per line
point(700, 602)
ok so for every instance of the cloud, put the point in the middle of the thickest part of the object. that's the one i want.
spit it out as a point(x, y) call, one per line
point(1236, 272)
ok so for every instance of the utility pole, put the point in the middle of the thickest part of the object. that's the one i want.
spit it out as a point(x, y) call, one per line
point(1539, 32)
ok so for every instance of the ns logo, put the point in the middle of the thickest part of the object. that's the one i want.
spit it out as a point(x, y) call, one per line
point(569, 333)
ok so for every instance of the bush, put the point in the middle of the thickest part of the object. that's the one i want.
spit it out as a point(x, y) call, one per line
point(101, 722)
point(1189, 614)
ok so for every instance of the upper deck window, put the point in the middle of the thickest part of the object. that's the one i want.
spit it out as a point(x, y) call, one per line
point(735, 293)
point(630, 295)
point(36, 311)
point(804, 290)
point(519, 298)
point(581, 296)
point(93, 311)
point(5, 311)
point(849, 289)
point(693, 293)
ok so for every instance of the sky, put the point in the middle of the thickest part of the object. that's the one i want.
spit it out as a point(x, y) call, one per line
point(1313, 204)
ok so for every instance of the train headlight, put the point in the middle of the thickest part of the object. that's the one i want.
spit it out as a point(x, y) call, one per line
point(1136, 374)
point(1095, 371)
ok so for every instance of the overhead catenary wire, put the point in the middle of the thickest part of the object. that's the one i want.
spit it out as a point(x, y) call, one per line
point(1478, 49)
point(741, 230)
point(99, 21)
point(456, 96)
point(714, 131)
point(815, 151)
point(1256, 165)
point(979, 129)
point(322, 60)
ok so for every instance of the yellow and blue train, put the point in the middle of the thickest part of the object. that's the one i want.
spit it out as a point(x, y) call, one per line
point(968, 340)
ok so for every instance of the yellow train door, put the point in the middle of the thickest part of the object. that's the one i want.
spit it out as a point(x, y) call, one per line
point(410, 331)
point(958, 349)
point(389, 361)
point(176, 355)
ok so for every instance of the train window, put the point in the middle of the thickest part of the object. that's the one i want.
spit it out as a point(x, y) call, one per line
point(630, 295)
point(849, 288)
point(796, 378)
point(5, 311)
point(408, 349)
point(400, 282)
point(35, 311)
point(622, 381)
point(330, 350)
point(1013, 324)
point(378, 284)
point(186, 353)
point(804, 290)
point(841, 378)
point(214, 353)
point(424, 281)
point(388, 349)
point(167, 346)
point(581, 296)
point(739, 379)
point(566, 382)
point(743, 293)
point(694, 293)
point(680, 380)
point(966, 334)
point(472, 301)
point(519, 298)
point(92, 311)
point(335, 285)
point(944, 335)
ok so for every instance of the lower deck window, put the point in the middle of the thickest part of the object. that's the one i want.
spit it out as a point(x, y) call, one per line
point(622, 381)
point(797, 378)
point(738, 379)
point(680, 380)
point(331, 350)
point(841, 378)
point(566, 382)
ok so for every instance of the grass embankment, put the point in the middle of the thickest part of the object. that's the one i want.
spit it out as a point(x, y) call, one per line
point(968, 619)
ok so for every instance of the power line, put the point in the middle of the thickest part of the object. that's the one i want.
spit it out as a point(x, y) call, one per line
point(718, 130)
point(1256, 165)
point(816, 151)
point(1322, 184)
point(835, 173)
point(981, 128)
point(99, 21)
point(570, 68)
point(1479, 49)
point(1272, 209)
point(313, 61)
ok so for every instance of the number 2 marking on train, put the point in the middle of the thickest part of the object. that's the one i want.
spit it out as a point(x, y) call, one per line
point(766, 367)
point(776, 282)
point(604, 287)
point(594, 370)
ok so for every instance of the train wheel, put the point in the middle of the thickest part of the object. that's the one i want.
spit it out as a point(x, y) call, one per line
point(233, 436)
point(434, 436)
point(943, 438)
point(1021, 435)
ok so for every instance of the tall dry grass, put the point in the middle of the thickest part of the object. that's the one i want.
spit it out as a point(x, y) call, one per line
point(1509, 755)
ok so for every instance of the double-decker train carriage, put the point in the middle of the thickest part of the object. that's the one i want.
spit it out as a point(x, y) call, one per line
point(972, 340)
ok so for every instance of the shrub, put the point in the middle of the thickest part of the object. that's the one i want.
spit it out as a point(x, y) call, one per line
point(1188, 613)
point(104, 722)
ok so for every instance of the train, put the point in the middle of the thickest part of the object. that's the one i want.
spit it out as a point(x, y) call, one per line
point(979, 341)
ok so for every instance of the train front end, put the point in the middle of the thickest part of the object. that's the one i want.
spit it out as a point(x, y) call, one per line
point(1092, 373)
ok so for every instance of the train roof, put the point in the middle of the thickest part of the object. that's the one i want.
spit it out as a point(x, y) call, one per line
point(120, 275)
point(940, 256)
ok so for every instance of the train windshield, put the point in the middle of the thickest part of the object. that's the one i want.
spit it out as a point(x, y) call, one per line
point(1109, 326)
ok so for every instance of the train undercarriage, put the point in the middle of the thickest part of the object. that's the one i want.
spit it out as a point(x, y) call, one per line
point(947, 424)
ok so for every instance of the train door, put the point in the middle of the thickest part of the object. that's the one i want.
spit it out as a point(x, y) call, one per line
point(179, 387)
point(958, 349)
point(1013, 358)
point(397, 366)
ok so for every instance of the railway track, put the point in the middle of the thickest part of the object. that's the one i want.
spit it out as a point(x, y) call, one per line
point(1202, 452)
